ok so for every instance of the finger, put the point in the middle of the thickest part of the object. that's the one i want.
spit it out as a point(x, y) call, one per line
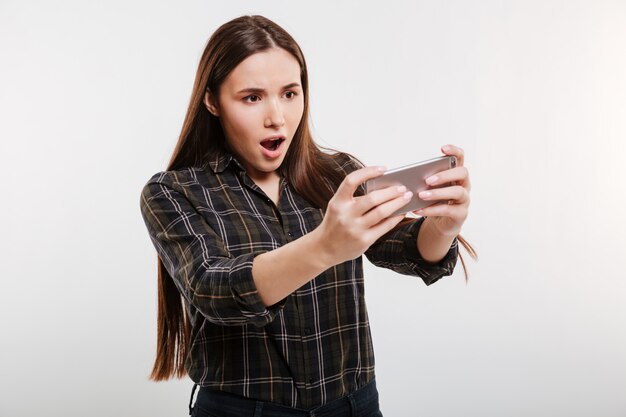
point(453, 150)
point(455, 211)
point(459, 175)
point(352, 181)
point(384, 226)
point(382, 211)
point(456, 192)
point(375, 198)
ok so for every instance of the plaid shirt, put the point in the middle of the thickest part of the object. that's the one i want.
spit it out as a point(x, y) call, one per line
point(207, 225)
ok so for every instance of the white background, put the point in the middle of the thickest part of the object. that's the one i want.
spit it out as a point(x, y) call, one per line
point(92, 98)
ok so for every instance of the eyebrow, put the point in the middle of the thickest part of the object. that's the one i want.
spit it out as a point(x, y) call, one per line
point(262, 90)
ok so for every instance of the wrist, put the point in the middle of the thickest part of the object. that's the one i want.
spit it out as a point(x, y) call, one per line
point(435, 229)
point(433, 245)
point(319, 246)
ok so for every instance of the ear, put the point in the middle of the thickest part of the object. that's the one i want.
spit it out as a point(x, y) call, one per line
point(209, 102)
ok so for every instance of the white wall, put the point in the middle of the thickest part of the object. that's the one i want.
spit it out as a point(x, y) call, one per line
point(92, 98)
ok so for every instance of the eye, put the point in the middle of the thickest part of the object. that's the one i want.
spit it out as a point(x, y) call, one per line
point(293, 94)
point(250, 97)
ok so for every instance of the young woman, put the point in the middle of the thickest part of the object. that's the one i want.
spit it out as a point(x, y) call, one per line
point(260, 234)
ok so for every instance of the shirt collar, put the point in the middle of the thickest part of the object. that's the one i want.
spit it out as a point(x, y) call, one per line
point(222, 158)
point(220, 161)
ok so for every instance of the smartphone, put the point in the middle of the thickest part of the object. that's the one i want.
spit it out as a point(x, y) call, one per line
point(413, 177)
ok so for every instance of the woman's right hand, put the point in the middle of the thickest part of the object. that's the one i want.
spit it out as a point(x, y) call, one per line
point(352, 224)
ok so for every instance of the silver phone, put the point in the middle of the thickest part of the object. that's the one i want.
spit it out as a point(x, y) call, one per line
point(413, 177)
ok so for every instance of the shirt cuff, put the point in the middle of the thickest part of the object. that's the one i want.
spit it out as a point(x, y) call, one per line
point(430, 272)
point(246, 295)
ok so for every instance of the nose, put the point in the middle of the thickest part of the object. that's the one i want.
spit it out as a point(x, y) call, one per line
point(274, 115)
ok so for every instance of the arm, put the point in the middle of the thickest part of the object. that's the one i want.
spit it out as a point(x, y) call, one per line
point(280, 272)
point(206, 274)
point(350, 225)
point(399, 252)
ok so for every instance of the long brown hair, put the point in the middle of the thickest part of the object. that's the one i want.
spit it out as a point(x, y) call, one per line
point(202, 135)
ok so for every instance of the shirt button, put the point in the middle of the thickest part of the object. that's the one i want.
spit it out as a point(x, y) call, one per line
point(310, 380)
point(289, 234)
point(307, 330)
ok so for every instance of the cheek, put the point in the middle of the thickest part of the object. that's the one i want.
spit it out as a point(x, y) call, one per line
point(240, 125)
point(296, 115)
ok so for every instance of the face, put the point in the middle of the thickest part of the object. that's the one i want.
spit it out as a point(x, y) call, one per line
point(260, 105)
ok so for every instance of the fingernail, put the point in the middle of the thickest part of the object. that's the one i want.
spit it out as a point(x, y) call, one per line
point(446, 148)
point(432, 180)
point(382, 169)
point(425, 194)
point(401, 188)
point(408, 195)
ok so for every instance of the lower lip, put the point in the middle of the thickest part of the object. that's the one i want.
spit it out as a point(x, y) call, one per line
point(275, 153)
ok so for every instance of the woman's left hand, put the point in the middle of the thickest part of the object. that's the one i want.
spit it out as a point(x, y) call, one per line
point(448, 218)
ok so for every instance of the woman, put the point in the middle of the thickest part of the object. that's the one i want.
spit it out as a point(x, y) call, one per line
point(260, 235)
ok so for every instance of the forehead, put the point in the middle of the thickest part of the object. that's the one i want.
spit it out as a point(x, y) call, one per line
point(273, 68)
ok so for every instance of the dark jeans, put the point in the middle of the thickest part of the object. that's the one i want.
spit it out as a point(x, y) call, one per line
point(209, 403)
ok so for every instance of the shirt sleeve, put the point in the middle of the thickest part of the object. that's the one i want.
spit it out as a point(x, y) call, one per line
point(398, 251)
point(213, 281)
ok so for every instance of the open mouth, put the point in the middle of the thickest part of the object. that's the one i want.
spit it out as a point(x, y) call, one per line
point(272, 144)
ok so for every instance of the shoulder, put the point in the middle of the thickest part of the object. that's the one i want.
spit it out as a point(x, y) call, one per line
point(179, 176)
point(345, 162)
point(341, 164)
point(175, 180)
